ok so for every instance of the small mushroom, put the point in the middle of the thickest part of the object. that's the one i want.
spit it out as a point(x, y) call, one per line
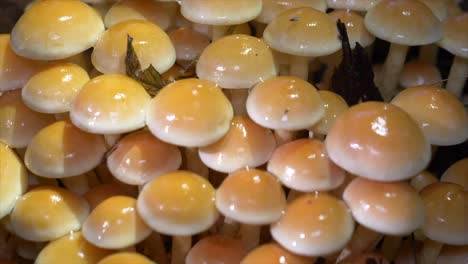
point(457, 173)
point(126, 257)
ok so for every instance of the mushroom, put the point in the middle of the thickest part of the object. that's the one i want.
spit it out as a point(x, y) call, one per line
point(126, 257)
point(52, 30)
point(334, 106)
point(457, 173)
point(188, 44)
point(418, 73)
point(273, 253)
point(102, 192)
point(216, 249)
point(359, 5)
point(428, 53)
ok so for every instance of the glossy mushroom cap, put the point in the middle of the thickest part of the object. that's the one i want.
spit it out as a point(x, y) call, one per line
point(314, 225)
point(71, 248)
point(357, 31)
point(273, 253)
point(156, 12)
point(216, 249)
point(151, 44)
point(188, 44)
point(251, 196)
point(110, 104)
point(190, 112)
point(126, 257)
point(423, 179)
point(236, 62)
point(378, 141)
point(392, 208)
point(272, 8)
point(418, 73)
point(438, 8)
point(445, 206)
point(441, 116)
point(285, 102)
point(54, 29)
point(115, 224)
point(62, 150)
point(180, 203)
point(140, 157)
point(303, 31)
point(53, 89)
point(355, 5)
point(334, 106)
point(245, 144)
point(220, 12)
point(46, 213)
point(455, 38)
point(18, 123)
point(457, 173)
point(304, 165)
point(404, 22)
point(13, 178)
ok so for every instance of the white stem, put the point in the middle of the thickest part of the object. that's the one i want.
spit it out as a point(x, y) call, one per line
point(112, 139)
point(458, 75)
point(428, 53)
point(299, 66)
point(230, 227)
point(180, 247)
point(363, 240)
point(284, 136)
point(429, 253)
point(250, 236)
point(77, 184)
point(391, 70)
point(390, 246)
point(194, 163)
point(218, 32)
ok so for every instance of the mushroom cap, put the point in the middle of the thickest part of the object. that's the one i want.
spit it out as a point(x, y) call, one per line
point(404, 22)
point(272, 8)
point(273, 253)
point(455, 36)
point(102, 192)
point(14, 179)
point(220, 12)
point(303, 31)
point(357, 31)
point(73, 249)
point(48, 212)
point(392, 208)
point(446, 209)
point(62, 150)
point(216, 249)
point(53, 89)
point(140, 157)
point(188, 43)
point(251, 196)
point(54, 29)
point(285, 102)
point(457, 173)
point(115, 224)
point(355, 5)
point(15, 70)
point(126, 257)
point(245, 144)
point(416, 73)
point(304, 165)
point(439, 113)
point(18, 123)
point(151, 44)
point(423, 179)
point(378, 141)
point(110, 104)
point(438, 8)
point(180, 203)
point(236, 62)
point(190, 112)
point(334, 106)
point(314, 224)
point(156, 12)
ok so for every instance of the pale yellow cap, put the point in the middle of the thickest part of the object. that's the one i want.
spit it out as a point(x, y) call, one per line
point(13, 178)
point(190, 112)
point(392, 208)
point(273, 253)
point(46, 213)
point(416, 73)
point(457, 173)
point(180, 203)
point(251, 196)
point(110, 104)
point(334, 106)
point(53, 89)
point(357, 31)
point(455, 36)
point(236, 62)
point(18, 123)
point(272, 8)
point(357, 5)
point(285, 102)
point(71, 249)
point(62, 150)
point(188, 44)
point(221, 12)
point(55, 29)
point(151, 44)
point(314, 224)
point(115, 223)
point(216, 249)
point(126, 258)
point(245, 144)
point(378, 141)
point(439, 113)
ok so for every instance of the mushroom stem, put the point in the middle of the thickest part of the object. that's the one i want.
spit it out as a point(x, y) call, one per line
point(194, 163)
point(229, 228)
point(391, 70)
point(250, 235)
point(77, 184)
point(458, 75)
point(238, 97)
point(390, 246)
point(218, 32)
point(363, 240)
point(154, 247)
point(332, 61)
point(284, 136)
point(180, 247)
point(111, 139)
point(299, 66)
point(428, 53)
point(429, 253)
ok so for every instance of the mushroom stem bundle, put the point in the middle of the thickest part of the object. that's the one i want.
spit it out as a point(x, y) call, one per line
point(363, 240)
point(180, 247)
point(154, 246)
point(299, 66)
point(458, 75)
point(250, 235)
point(218, 32)
point(390, 246)
point(392, 68)
point(429, 252)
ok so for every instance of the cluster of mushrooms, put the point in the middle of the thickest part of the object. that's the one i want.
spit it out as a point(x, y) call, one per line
point(214, 166)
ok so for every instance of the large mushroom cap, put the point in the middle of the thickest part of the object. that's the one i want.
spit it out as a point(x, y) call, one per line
point(126, 257)
point(357, 5)
point(455, 38)
point(54, 29)
point(272, 8)
point(457, 173)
